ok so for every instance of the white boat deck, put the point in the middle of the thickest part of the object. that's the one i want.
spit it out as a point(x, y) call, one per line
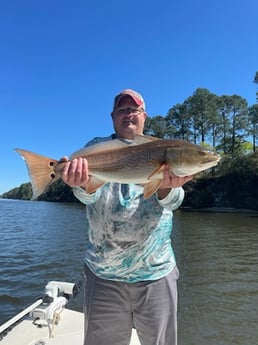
point(69, 331)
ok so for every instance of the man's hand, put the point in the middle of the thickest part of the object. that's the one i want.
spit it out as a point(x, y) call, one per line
point(170, 181)
point(75, 172)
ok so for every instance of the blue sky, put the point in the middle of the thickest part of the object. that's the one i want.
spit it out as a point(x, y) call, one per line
point(63, 61)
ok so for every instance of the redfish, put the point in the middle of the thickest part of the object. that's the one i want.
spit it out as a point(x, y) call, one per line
point(140, 161)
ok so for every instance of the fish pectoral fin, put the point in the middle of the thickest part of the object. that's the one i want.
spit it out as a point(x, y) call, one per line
point(151, 187)
point(93, 184)
point(155, 179)
point(41, 171)
point(157, 172)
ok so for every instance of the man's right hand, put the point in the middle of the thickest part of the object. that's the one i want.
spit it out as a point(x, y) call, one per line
point(75, 172)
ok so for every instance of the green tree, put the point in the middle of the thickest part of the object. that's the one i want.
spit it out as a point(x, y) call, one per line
point(256, 82)
point(158, 126)
point(201, 106)
point(180, 122)
point(224, 122)
point(234, 113)
point(217, 122)
point(253, 119)
point(24, 192)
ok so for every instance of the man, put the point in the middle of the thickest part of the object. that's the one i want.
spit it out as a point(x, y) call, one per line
point(130, 268)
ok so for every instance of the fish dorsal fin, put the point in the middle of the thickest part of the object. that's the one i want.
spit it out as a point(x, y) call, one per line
point(110, 145)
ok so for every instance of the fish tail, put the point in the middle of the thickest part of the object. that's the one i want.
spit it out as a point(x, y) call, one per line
point(42, 171)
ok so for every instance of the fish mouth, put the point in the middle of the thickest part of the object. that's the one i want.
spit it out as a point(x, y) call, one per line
point(209, 156)
point(211, 159)
point(214, 158)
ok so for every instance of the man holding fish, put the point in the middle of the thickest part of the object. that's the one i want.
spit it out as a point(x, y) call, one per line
point(130, 268)
point(131, 184)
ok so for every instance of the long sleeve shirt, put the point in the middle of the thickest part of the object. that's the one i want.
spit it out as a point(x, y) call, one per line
point(128, 237)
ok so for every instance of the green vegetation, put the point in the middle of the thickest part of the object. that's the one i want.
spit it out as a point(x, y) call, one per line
point(58, 191)
point(232, 184)
point(224, 123)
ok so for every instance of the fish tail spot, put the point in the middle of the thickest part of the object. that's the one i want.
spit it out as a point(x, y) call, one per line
point(52, 176)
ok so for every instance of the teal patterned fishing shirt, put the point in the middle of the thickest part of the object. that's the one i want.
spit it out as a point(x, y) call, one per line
point(128, 237)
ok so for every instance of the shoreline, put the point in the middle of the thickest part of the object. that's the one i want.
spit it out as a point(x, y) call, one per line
point(219, 210)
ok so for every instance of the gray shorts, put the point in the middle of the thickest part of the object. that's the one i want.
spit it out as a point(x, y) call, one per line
point(112, 308)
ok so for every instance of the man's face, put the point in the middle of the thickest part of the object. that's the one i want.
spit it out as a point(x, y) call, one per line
point(128, 119)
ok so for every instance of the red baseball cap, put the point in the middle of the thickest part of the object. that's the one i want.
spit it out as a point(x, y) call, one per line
point(136, 97)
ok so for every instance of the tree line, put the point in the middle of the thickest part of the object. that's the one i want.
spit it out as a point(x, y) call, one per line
point(224, 122)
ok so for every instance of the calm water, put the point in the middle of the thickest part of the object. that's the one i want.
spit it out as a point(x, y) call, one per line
point(217, 255)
